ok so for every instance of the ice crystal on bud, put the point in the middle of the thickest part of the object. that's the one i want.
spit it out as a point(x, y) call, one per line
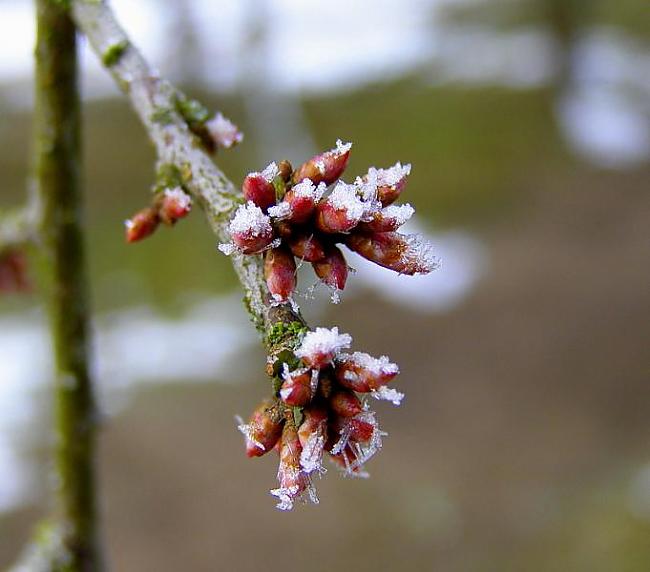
point(180, 197)
point(281, 211)
point(250, 218)
point(399, 213)
point(223, 131)
point(249, 431)
point(341, 147)
point(307, 189)
point(320, 347)
point(345, 197)
point(270, 172)
point(391, 176)
point(418, 255)
point(227, 248)
point(388, 394)
point(376, 366)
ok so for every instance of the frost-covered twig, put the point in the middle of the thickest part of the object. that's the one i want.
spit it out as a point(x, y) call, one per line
point(155, 101)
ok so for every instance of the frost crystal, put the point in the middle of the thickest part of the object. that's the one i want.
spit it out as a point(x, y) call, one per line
point(182, 199)
point(418, 254)
point(307, 189)
point(345, 197)
point(270, 172)
point(341, 147)
point(388, 394)
point(323, 341)
point(223, 131)
point(377, 366)
point(391, 176)
point(227, 248)
point(283, 210)
point(399, 213)
point(248, 430)
point(249, 219)
point(311, 458)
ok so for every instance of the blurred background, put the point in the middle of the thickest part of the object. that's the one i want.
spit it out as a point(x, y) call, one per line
point(524, 439)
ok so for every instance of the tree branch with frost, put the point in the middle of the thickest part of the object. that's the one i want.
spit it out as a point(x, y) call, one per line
point(320, 392)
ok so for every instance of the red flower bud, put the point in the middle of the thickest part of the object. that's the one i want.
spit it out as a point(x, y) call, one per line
point(326, 167)
point(175, 204)
point(262, 430)
point(363, 373)
point(320, 347)
point(345, 403)
point(333, 269)
point(13, 271)
point(250, 230)
point(342, 210)
point(293, 481)
point(280, 273)
point(312, 434)
point(223, 131)
point(355, 428)
point(388, 219)
point(299, 386)
point(299, 202)
point(307, 247)
point(403, 253)
point(390, 182)
point(142, 224)
point(258, 187)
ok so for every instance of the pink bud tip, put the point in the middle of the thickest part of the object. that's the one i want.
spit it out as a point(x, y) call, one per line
point(402, 253)
point(332, 269)
point(326, 167)
point(175, 205)
point(280, 273)
point(258, 187)
point(342, 210)
point(345, 403)
point(251, 229)
point(142, 224)
point(302, 199)
point(262, 431)
point(321, 346)
point(307, 247)
point(390, 182)
point(223, 131)
point(363, 373)
point(297, 387)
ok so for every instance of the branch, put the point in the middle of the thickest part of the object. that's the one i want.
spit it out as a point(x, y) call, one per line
point(155, 101)
point(57, 149)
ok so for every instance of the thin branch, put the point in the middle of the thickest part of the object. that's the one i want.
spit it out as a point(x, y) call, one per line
point(57, 152)
point(155, 101)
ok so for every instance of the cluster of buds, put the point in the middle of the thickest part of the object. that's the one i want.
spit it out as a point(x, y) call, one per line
point(306, 213)
point(167, 207)
point(13, 271)
point(321, 407)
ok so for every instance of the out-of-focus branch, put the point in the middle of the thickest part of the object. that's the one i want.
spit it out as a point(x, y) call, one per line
point(155, 101)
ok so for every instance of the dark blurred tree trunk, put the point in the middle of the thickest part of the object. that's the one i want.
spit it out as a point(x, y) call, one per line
point(57, 152)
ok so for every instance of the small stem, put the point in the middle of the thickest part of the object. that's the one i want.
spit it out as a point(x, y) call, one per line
point(57, 149)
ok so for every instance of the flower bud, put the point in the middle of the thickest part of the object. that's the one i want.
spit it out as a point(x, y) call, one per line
point(262, 430)
point(251, 229)
point(363, 373)
point(312, 434)
point(13, 271)
point(403, 253)
point(342, 210)
point(356, 429)
point(320, 347)
point(326, 167)
point(142, 224)
point(280, 273)
point(302, 199)
point(293, 481)
point(258, 187)
point(390, 182)
point(345, 403)
point(388, 219)
point(307, 247)
point(285, 170)
point(299, 386)
point(223, 131)
point(175, 204)
point(332, 269)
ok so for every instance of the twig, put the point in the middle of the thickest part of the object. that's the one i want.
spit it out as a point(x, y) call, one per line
point(154, 100)
point(57, 149)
